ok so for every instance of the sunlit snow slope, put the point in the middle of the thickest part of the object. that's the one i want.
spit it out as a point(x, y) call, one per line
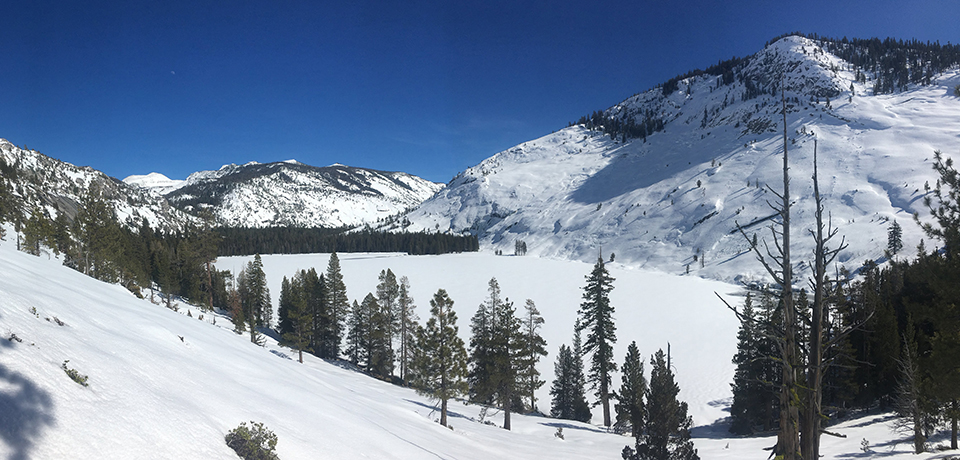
point(166, 385)
point(673, 201)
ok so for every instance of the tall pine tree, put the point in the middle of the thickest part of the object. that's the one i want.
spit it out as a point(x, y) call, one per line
point(596, 317)
point(439, 366)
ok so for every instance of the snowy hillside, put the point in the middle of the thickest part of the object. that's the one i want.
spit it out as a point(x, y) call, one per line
point(290, 193)
point(39, 181)
point(672, 201)
point(166, 385)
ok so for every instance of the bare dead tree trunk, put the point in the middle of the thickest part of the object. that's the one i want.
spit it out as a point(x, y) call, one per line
point(788, 437)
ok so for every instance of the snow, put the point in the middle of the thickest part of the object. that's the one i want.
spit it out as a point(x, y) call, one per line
point(155, 395)
point(571, 192)
point(155, 182)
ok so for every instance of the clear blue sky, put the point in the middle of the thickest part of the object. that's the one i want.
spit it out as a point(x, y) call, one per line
point(430, 88)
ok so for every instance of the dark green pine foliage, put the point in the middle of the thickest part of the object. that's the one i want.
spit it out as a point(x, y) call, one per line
point(495, 353)
point(667, 434)
point(284, 323)
point(439, 359)
point(754, 399)
point(596, 317)
point(385, 323)
point(297, 313)
point(357, 326)
point(532, 348)
point(315, 301)
point(407, 321)
point(338, 306)
point(291, 240)
point(567, 392)
point(252, 285)
point(631, 410)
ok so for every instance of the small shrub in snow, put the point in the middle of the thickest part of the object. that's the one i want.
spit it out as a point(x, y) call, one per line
point(73, 374)
point(559, 433)
point(252, 443)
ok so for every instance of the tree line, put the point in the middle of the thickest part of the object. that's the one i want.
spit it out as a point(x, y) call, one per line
point(294, 240)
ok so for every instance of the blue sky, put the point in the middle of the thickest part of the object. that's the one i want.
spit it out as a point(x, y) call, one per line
point(429, 88)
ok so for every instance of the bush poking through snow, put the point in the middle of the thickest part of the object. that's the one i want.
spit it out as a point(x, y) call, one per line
point(253, 443)
point(73, 374)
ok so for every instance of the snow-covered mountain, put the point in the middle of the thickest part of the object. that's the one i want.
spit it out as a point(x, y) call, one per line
point(290, 193)
point(671, 200)
point(155, 182)
point(38, 181)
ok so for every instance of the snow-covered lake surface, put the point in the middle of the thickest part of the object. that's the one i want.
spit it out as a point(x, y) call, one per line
point(167, 385)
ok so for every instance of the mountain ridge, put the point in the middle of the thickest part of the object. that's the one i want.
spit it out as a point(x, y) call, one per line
point(668, 199)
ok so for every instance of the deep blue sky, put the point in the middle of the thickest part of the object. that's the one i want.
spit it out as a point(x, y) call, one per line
point(429, 88)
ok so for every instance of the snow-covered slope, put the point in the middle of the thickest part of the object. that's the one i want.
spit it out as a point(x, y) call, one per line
point(40, 182)
point(166, 385)
point(672, 201)
point(290, 193)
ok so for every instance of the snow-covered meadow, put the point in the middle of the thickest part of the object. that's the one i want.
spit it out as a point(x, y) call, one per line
point(167, 385)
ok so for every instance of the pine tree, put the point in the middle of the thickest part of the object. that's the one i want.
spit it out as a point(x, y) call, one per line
point(752, 397)
point(338, 307)
point(385, 322)
point(631, 410)
point(298, 316)
point(357, 325)
point(568, 400)
point(667, 434)
point(284, 323)
point(596, 317)
point(494, 353)
point(408, 324)
point(532, 347)
point(894, 239)
point(439, 365)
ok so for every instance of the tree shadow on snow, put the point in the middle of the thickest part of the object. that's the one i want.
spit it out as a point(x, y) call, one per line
point(570, 426)
point(450, 413)
point(27, 410)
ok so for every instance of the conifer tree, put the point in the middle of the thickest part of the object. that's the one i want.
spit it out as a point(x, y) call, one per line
point(439, 366)
point(753, 398)
point(338, 307)
point(631, 411)
point(569, 401)
point(495, 352)
point(408, 324)
point(667, 434)
point(284, 323)
point(385, 321)
point(298, 316)
point(596, 317)
point(357, 325)
point(532, 347)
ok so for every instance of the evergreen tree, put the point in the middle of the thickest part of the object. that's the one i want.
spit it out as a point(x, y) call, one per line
point(284, 323)
point(495, 352)
point(667, 433)
point(568, 400)
point(255, 294)
point(408, 324)
point(357, 325)
point(753, 398)
point(439, 366)
point(298, 316)
point(631, 411)
point(338, 306)
point(385, 322)
point(894, 239)
point(596, 317)
point(532, 347)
